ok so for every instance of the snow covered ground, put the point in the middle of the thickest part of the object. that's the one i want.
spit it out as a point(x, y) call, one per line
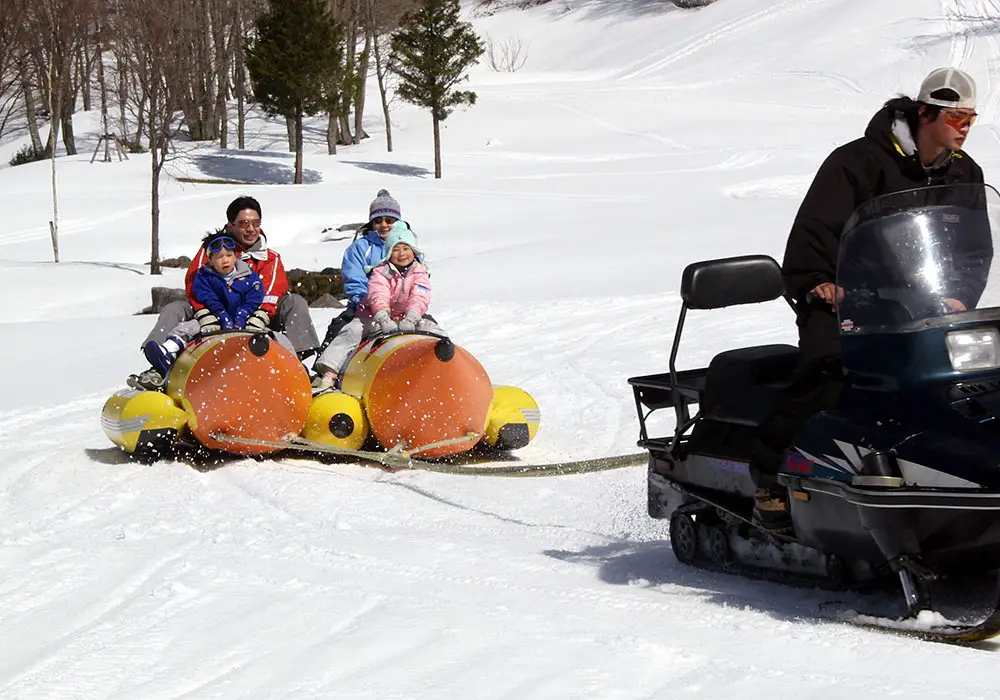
point(637, 139)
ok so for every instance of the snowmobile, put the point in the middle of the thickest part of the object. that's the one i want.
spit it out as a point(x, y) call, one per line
point(900, 480)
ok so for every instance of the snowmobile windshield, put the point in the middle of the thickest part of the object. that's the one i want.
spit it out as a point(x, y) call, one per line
point(913, 259)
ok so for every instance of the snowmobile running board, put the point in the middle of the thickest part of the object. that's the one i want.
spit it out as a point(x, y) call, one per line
point(398, 458)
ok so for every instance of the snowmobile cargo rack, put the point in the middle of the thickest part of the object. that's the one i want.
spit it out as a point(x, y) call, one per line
point(712, 284)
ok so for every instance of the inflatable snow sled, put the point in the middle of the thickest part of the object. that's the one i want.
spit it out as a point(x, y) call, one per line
point(243, 393)
point(901, 479)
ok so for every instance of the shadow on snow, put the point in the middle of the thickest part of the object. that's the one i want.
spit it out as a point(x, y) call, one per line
point(252, 170)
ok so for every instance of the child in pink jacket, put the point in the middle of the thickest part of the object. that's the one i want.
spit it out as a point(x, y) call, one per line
point(399, 294)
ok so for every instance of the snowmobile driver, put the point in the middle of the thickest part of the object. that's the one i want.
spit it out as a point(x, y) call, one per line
point(908, 144)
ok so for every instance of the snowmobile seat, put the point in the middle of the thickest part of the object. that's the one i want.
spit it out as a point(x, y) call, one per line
point(747, 279)
point(741, 384)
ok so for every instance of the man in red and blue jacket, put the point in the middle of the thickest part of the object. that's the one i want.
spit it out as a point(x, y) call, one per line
point(281, 311)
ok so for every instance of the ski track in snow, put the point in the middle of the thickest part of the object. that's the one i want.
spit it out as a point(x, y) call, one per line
point(74, 227)
point(715, 35)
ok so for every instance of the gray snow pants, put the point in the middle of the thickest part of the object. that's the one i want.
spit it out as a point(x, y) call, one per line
point(350, 337)
point(292, 318)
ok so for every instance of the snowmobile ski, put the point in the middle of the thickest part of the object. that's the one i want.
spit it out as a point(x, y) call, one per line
point(925, 624)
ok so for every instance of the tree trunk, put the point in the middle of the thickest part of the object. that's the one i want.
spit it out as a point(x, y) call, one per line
point(221, 108)
point(350, 72)
point(154, 213)
point(123, 97)
point(102, 86)
point(241, 111)
point(223, 126)
point(437, 148)
point(240, 81)
point(140, 121)
point(344, 137)
point(332, 133)
point(154, 193)
point(54, 108)
point(290, 125)
point(85, 66)
point(359, 97)
point(31, 107)
point(298, 143)
point(380, 77)
point(69, 138)
point(68, 104)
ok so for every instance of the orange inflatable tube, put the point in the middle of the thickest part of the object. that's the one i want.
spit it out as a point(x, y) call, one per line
point(420, 390)
point(241, 385)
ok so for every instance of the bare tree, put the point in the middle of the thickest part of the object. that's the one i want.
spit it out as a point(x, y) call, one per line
point(155, 37)
point(382, 17)
point(382, 52)
point(506, 56)
point(55, 28)
point(11, 52)
point(240, 74)
point(60, 26)
point(30, 106)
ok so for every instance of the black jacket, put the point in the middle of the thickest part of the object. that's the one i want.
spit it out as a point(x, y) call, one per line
point(856, 172)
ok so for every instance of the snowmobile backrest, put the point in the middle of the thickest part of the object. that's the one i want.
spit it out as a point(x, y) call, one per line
point(747, 279)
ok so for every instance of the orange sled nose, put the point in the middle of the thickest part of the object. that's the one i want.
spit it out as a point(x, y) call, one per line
point(429, 390)
point(241, 385)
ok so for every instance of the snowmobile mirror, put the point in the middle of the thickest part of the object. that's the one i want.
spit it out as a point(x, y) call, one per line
point(747, 279)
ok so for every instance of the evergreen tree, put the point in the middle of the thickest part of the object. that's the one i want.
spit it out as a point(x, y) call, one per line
point(296, 48)
point(433, 49)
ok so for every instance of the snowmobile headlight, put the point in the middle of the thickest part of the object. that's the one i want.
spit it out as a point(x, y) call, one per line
point(975, 349)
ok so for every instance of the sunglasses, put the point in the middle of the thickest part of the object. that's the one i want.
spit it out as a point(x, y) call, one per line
point(384, 220)
point(217, 244)
point(958, 120)
point(247, 223)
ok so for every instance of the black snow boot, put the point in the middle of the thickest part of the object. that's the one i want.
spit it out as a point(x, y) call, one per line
point(770, 511)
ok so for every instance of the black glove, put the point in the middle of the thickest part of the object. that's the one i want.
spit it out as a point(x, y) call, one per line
point(207, 321)
point(259, 322)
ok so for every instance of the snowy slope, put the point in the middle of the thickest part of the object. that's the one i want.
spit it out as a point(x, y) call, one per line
point(637, 139)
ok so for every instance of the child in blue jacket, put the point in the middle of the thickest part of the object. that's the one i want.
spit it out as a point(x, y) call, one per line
point(228, 289)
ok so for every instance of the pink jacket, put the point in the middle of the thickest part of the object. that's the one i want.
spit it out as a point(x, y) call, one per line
point(387, 289)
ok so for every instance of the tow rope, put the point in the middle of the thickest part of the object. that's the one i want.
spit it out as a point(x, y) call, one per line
point(399, 458)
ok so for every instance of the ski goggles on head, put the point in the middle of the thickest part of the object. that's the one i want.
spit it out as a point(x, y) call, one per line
point(958, 120)
point(220, 242)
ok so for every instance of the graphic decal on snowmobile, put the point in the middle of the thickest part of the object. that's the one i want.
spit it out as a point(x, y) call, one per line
point(914, 474)
point(828, 465)
point(918, 475)
point(726, 465)
point(797, 464)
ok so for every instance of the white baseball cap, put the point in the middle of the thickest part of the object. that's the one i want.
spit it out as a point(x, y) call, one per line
point(948, 87)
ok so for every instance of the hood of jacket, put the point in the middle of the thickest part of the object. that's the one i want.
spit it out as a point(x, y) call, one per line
point(889, 130)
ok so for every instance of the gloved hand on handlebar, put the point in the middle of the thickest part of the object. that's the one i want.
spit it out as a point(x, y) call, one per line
point(410, 322)
point(383, 321)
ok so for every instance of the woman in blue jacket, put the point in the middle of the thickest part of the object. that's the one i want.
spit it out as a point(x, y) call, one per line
point(362, 256)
